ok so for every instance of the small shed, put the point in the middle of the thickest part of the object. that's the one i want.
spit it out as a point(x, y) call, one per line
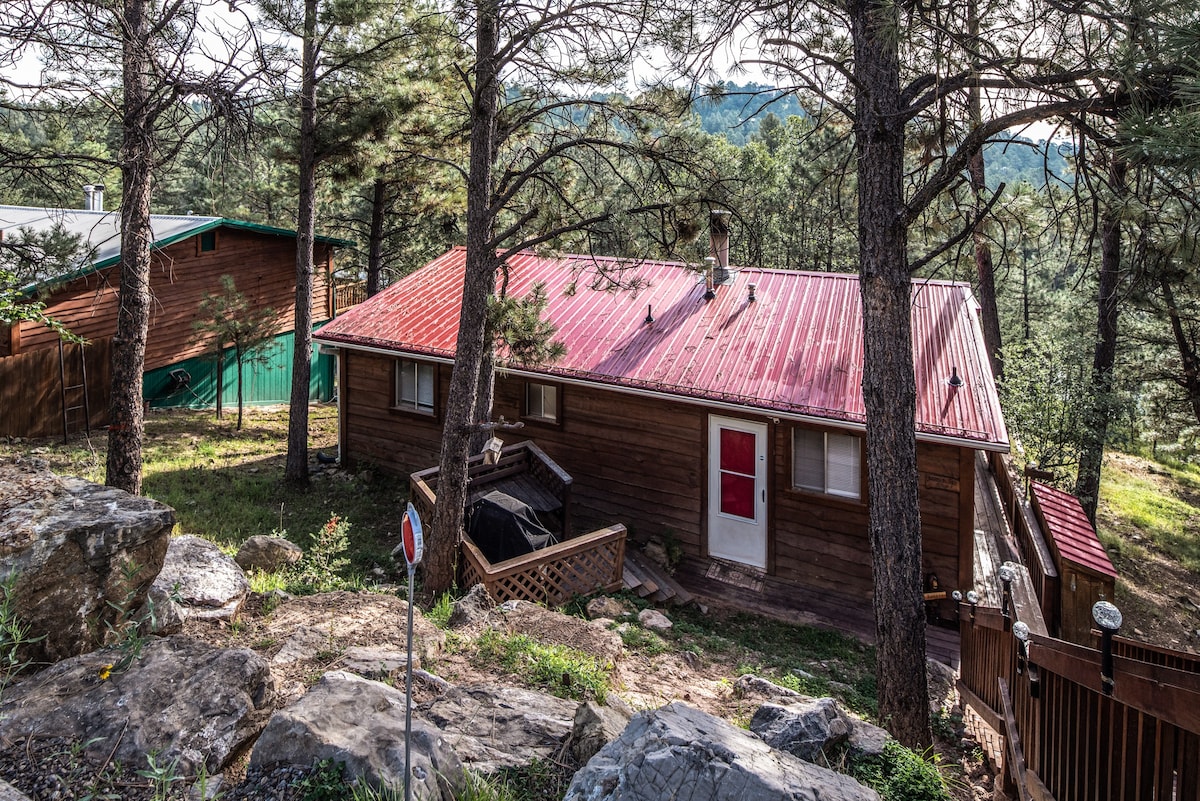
point(1086, 574)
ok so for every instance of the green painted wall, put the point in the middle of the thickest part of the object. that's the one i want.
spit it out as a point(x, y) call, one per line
point(266, 381)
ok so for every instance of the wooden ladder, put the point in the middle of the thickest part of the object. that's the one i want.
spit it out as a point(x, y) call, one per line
point(74, 396)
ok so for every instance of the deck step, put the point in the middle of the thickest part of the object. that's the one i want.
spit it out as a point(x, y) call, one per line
point(650, 581)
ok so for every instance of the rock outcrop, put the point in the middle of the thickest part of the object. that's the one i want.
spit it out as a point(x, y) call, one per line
point(208, 584)
point(492, 727)
point(83, 554)
point(349, 719)
point(679, 746)
point(268, 554)
point(181, 699)
point(594, 727)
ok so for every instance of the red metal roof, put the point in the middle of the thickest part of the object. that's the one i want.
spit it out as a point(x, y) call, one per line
point(1070, 529)
point(797, 350)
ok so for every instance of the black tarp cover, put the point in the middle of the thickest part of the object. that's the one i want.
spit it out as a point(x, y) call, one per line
point(504, 527)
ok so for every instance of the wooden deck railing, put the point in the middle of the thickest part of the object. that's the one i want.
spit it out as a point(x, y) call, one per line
point(522, 457)
point(1066, 737)
point(346, 296)
point(589, 563)
point(1031, 540)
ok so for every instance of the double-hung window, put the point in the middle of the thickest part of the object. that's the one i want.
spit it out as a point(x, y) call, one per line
point(415, 386)
point(541, 402)
point(827, 462)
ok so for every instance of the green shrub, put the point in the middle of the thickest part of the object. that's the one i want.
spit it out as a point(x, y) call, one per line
point(900, 774)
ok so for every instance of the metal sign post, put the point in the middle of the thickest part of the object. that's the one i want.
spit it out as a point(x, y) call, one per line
point(414, 548)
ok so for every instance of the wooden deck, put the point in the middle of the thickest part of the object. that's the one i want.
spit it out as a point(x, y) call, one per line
point(994, 541)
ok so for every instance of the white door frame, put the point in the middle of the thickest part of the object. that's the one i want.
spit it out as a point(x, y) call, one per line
point(730, 536)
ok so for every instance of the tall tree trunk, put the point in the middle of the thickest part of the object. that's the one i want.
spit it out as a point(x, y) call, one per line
point(984, 268)
point(241, 402)
point(375, 238)
point(889, 387)
point(1187, 352)
point(125, 411)
point(296, 471)
point(1091, 457)
point(479, 282)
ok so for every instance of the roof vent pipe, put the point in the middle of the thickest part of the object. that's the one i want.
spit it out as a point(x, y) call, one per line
point(98, 197)
point(709, 268)
point(88, 191)
point(718, 228)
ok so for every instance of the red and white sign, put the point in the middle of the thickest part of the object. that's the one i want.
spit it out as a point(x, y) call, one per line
point(414, 538)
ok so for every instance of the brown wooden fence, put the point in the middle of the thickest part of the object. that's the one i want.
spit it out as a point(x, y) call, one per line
point(1069, 734)
point(37, 386)
point(1031, 540)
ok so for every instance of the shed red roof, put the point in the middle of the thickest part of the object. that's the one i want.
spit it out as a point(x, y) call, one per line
point(1070, 529)
point(796, 350)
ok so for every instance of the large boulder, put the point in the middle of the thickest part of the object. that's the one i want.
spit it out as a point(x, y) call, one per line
point(471, 610)
point(208, 584)
point(83, 554)
point(358, 722)
point(268, 554)
point(809, 729)
point(181, 699)
point(492, 727)
point(679, 751)
point(10, 793)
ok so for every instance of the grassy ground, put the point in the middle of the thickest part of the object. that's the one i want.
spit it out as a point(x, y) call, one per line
point(227, 485)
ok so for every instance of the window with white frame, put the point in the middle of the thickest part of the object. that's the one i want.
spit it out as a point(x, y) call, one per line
point(827, 462)
point(415, 384)
point(541, 402)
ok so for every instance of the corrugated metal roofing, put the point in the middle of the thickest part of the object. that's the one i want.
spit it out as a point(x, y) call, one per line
point(796, 350)
point(1070, 528)
point(100, 231)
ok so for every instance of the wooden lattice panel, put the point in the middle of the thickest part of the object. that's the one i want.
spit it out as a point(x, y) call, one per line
point(553, 575)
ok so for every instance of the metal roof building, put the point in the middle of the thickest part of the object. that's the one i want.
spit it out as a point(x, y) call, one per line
point(789, 343)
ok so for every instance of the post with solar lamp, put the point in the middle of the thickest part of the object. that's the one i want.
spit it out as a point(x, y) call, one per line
point(1109, 619)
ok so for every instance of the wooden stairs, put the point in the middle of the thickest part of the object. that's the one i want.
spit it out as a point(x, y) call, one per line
point(651, 582)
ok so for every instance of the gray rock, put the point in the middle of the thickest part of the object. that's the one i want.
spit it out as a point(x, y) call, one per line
point(750, 686)
point(303, 643)
point(943, 685)
point(807, 729)
point(181, 699)
point(472, 609)
point(210, 584)
point(80, 551)
point(603, 606)
point(594, 727)
point(349, 719)
point(10, 793)
point(162, 615)
point(374, 662)
point(867, 739)
point(654, 620)
point(680, 752)
point(492, 727)
point(268, 554)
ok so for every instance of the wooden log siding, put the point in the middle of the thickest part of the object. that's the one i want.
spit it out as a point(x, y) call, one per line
point(263, 268)
point(31, 401)
point(642, 462)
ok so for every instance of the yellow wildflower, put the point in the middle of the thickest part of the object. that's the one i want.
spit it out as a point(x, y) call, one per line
point(105, 672)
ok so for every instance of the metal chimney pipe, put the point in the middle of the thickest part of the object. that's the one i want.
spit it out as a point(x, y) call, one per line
point(88, 189)
point(718, 230)
point(98, 197)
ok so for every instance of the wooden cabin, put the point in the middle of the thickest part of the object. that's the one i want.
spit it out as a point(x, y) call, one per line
point(190, 254)
point(731, 424)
